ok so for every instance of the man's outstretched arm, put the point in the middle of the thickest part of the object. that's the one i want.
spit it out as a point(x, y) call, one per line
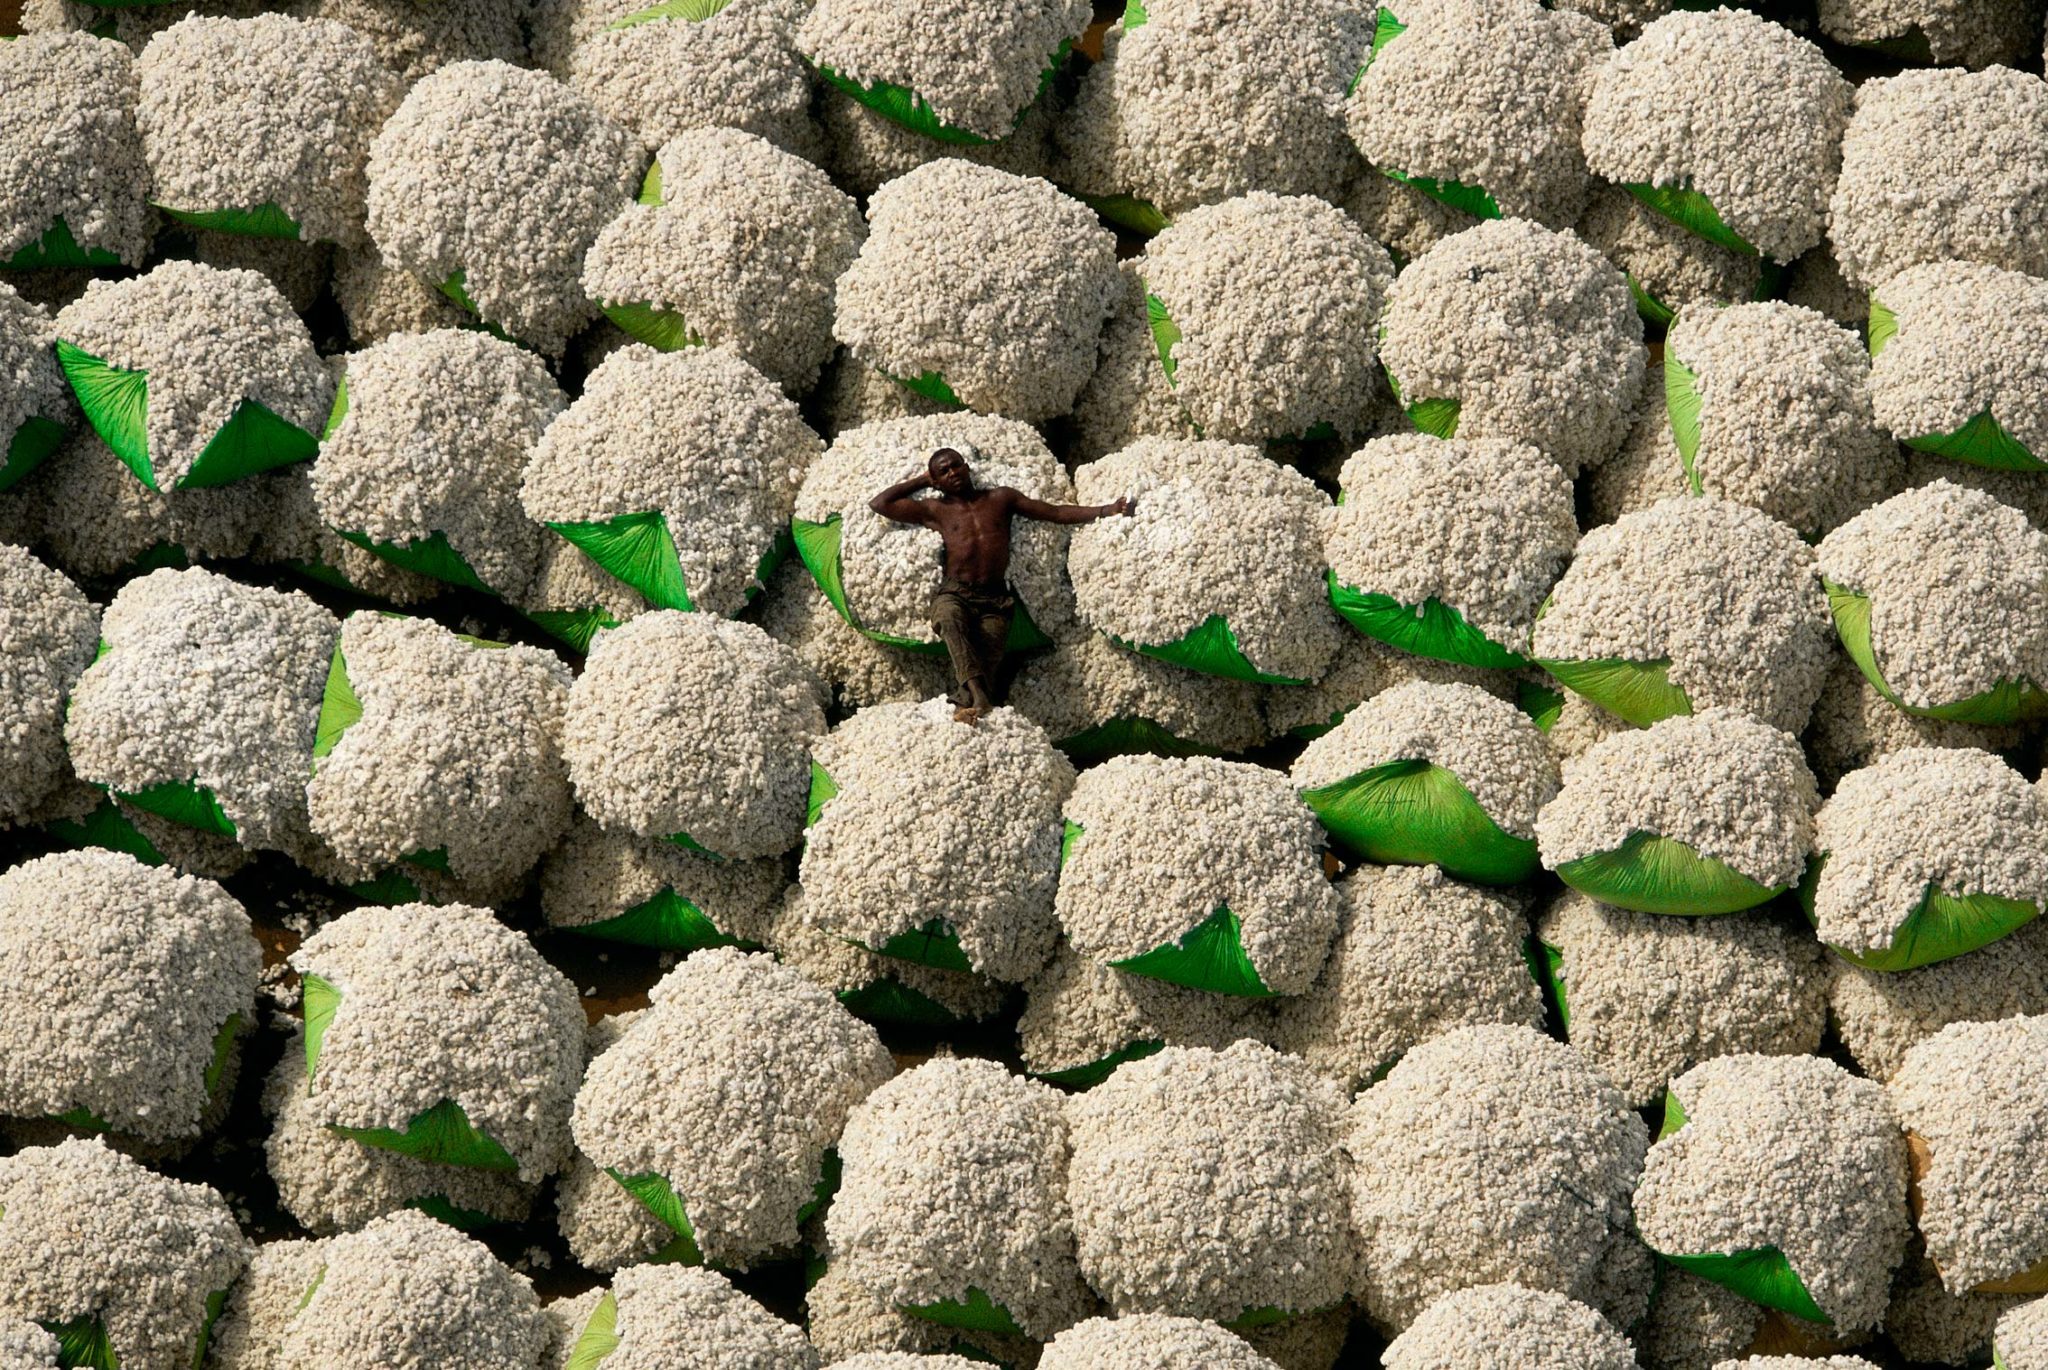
point(1066, 513)
point(895, 503)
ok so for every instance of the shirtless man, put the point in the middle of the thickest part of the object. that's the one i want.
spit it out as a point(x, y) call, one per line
point(972, 609)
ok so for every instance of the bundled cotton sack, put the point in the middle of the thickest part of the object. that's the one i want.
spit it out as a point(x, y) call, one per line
point(126, 1266)
point(1082, 1019)
point(195, 376)
point(980, 288)
point(696, 731)
point(378, 300)
point(36, 408)
point(89, 206)
point(647, 892)
point(1210, 1184)
point(439, 751)
point(1940, 595)
point(880, 575)
point(442, 1034)
point(1971, 1099)
point(876, 988)
point(1491, 1155)
point(416, 41)
point(716, 1108)
point(665, 71)
point(49, 633)
point(129, 987)
point(1770, 406)
point(676, 473)
point(858, 670)
point(1224, 293)
point(290, 533)
point(422, 457)
point(262, 126)
point(1696, 814)
point(1509, 331)
point(938, 841)
point(1478, 103)
point(1417, 954)
point(440, 202)
point(1880, 1016)
point(1150, 1341)
point(1668, 266)
point(570, 598)
point(997, 1254)
point(1950, 345)
point(1197, 101)
point(202, 704)
point(1200, 872)
point(667, 1317)
point(1853, 725)
point(959, 75)
point(1942, 166)
point(735, 243)
point(2022, 1340)
point(1096, 700)
point(1725, 123)
point(1690, 604)
point(1219, 566)
point(1447, 548)
point(408, 1290)
point(1505, 1324)
point(1433, 774)
point(1927, 854)
point(1647, 998)
point(1783, 1178)
point(1942, 32)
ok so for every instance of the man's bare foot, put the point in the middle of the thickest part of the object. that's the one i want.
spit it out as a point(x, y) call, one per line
point(970, 714)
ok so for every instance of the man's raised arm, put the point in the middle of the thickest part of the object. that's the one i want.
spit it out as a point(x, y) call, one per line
point(895, 503)
point(1065, 513)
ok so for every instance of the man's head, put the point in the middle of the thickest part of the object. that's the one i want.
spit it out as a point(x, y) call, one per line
point(949, 473)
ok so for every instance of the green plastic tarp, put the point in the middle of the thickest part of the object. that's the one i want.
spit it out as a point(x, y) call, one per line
point(1091, 1073)
point(976, 1312)
point(1981, 440)
point(1639, 692)
point(116, 403)
point(1693, 212)
point(638, 550)
point(1648, 873)
point(1128, 737)
point(58, 248)
point(262, 221)
point(1941, 927)
point(1414, 812)
point(889, 1000)
point(1430, 629)
point(32, 444)
point(667, 921)
point(1210, 956)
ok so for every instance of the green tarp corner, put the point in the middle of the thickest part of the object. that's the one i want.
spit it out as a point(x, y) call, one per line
point(1414, 812)
point(1211, 957)
point(1638, 692)
point(1431, 629)
point(1693, 212)
point(1652, 874)
point(2009, 701)
point(667, 921)
point(665, 330)
point(1211, 648)
point(263, 221)
point(32, 444)
point(976, 1313)
point(934, 944)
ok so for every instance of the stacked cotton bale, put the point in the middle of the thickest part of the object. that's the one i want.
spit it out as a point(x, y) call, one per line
point(1951, 349)
point(1669, 266)
point(1881, 1015)
point(1542, 1330)
point(89, 207)
point(1942, 32)
point(36, 408)
point(675, 1317)
point(1082, 1019)
point(436, 206)
point(49, 633)
point(1096, 700)
point(858, 670)
point(873, 987)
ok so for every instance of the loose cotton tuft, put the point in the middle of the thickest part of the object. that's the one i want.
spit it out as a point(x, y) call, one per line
point(1771, 408)
point(1950, 372)
point(2022, 1339)
point(1940, 166)
point(195, 376)
point(981, 288)
point(694, 730)
point(1490, 1155)
point(490, 183)
point(1218, 567)
point(129, 986)
point(426, 1024)
point(1479, 103)
point(1210, 1184)
point(88, 206)
point(715, 1107)
point(1690, 604)
point(1417, 954)
point(937, 840)
point(453, 757)
point(48, 634)
point(740, 247)
point(1646, 998)
point(1507, 1325)
point(1509, 331)
point(1201, 872)
point(263, 125)
point(1479, 527)
point(134, 1260)
point(26, 1346)
point(1790, 1157)
point(1150, 1341)
point(422, 460)
point(953, 1203)
point(1728, 124)
point(1265, 311)
point(676, 472)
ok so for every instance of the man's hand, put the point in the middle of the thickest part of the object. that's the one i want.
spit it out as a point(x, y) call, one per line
point(898, 502)
point(1126, 506)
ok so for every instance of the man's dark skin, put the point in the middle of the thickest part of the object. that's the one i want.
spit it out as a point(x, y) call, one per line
point(972, 609)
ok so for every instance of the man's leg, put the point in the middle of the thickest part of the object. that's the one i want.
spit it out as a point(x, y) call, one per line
point(956, 624)
point(992, 628)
